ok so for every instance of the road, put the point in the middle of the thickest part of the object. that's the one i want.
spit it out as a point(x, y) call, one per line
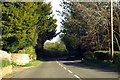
point(66, 70)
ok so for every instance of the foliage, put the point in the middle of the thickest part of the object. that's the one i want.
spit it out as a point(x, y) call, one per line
point(88, 55)
point(106, 64)
point(47, 27)
point(87, 26)
point(26, 24)
point(55, 49)
point(116, 27)
point(105, 55)
point(19, 22)
point(5, 63)
point(27, 50)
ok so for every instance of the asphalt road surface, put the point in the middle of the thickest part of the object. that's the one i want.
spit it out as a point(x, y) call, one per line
point(66, 70)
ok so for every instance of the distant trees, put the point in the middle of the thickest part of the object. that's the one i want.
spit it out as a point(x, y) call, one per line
point(55, 49)
point(87, 26)
point(26, 24)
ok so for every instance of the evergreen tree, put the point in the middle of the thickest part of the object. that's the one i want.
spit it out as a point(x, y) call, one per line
point(25, 23)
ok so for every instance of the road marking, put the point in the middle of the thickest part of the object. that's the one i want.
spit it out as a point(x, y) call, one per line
point(64, 67)
point(77, 77)
point(57, 61)
point(61, 65)
point(69, 71)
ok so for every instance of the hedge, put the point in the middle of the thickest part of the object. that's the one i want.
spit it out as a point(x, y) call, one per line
point(105, 55)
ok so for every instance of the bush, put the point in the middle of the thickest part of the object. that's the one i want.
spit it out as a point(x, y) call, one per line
point(28, 50)
point(102, 55)
point(5, 63)
point(105, 55)
point(88, 55)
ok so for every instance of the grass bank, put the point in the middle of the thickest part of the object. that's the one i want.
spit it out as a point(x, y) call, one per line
point(31, 63)
point(107, 64)
point(4, 63)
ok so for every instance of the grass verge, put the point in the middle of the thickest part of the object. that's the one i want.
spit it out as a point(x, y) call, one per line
point(4, 63)
point(102, 64)
point(31, 63)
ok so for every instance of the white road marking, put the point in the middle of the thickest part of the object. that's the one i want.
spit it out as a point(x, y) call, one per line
point(61, 65)
point(64, 67)
point(76, 76)
point(69, 71)
point(57, 61)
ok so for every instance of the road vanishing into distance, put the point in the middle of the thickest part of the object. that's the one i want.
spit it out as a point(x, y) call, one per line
point(65, 70)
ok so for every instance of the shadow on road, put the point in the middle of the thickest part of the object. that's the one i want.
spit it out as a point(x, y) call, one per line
point(80, 65)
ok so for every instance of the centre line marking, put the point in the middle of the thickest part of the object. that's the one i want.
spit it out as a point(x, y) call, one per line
point(76, 76)
point(69, 71)
point(57, 61)
point(64, 67)
point(61, 65)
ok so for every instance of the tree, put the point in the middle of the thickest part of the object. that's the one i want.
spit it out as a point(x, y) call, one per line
point(19, 22)
point(57, 48)
point(117, 27)
point(86, 26)
point(47, 26)
point(24, 24)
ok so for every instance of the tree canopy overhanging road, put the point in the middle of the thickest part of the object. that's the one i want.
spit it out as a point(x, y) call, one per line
point(85, 36)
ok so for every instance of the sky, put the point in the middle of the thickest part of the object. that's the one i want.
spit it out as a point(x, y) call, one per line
point(56, 6)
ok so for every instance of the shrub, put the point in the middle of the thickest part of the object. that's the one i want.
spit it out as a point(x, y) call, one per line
point(28, 50)
point(88, 55)
point(105, 55)
point(102, 55)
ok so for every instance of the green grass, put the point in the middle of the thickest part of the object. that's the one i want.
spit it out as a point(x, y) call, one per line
point(4, 63)
point(105, 51)
point(77, 60)
point(32, 63)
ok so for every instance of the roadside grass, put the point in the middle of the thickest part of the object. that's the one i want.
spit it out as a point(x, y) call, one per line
point(31, 63)
point(101, 59)
point(4, 63)
point(107, 64)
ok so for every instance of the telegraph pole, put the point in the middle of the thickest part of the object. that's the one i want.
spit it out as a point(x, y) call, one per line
point(111, 31)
